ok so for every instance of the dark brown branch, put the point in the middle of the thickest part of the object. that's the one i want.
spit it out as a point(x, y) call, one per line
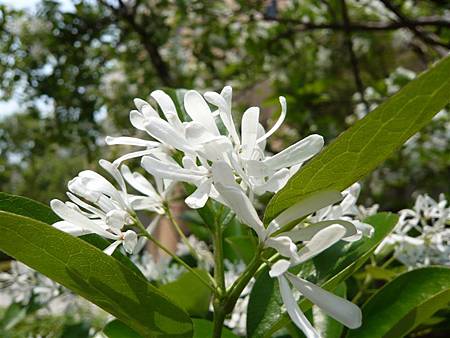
point(160, 66)
point(428, 38)
point(301, 26)
point(352, 55)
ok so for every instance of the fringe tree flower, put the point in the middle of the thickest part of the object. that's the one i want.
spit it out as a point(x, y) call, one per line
point(109, 212)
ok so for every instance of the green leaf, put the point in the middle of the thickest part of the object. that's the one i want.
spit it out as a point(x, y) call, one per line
point(79, 330)
point(370, 141)
point(117, 329)
point(24, 206)
point(328, 270)
point(403, 304)
point(204, 328)
point(95, 276)
point(243, 246)
point(190, 293)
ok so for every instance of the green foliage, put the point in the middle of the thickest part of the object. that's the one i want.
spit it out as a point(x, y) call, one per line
point(110, 284)
point(404, 303)
point(117, 329)
point(370, 141)
point(190, 293)
point(24, 206)
point(204, 328)
point(328, 270)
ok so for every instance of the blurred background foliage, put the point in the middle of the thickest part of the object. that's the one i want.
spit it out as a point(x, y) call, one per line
point(72, 72)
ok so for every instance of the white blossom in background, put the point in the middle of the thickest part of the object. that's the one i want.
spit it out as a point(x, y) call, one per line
point(22, 284)
point(422, 235)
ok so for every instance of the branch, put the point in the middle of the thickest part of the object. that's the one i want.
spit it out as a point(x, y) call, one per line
point(302, 26)
point(351, 52)
point(429, 38)
point(160, 66)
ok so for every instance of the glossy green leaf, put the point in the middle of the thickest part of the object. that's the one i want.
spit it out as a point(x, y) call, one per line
point(117, 329)
point(95, 276)
point(79, 330)
point(404, 303)
point(190, 293)
point(27, 207)
point(203, 328)
point(328, 270)
point(370, 141)
point(24, 206)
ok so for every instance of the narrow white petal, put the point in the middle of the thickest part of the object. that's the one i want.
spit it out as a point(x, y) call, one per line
point(279, 121)
point(145, 203)
point(297, 153)
point(197, 134)
point(71, 228)
point(130, 241)
point(305, 207)
point(279, 268)
point(320, 242)
point(294, 311)
point(111, 248)
point(96, 182)
point(165, 133)
point(78, 219)
point(116, 219)
point(306, 233)
point(197, 108)
point(139, 182)
point(199, 197)
point(223, 173)
point(168, 108)
point(274, 183)
point(137, 119)
point(134, 154)
point(114, 172)
point(283, 245)
point(249, 131)
point(170, 171)
point(225, 113)
point(145, 108)
point(131, 141)
point(339, 308)
point(242, 206)
point(216, 149)
point(84, 205)
point(257, 168)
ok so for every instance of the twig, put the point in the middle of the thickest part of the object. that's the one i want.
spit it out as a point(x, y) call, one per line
point(353, 58)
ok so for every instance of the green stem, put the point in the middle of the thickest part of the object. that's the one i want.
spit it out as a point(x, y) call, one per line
point(238, 286)
point(171, 254)
point(181, 233)
point(219, 276)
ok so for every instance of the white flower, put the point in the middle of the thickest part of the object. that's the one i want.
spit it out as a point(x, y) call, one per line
point(316, 238)
point(109, 212)
point(347, 210)
point(202, 144)
point(422, 235)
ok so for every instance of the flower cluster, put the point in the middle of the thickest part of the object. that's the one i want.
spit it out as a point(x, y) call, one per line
point(229, 166)
point(422, 235)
